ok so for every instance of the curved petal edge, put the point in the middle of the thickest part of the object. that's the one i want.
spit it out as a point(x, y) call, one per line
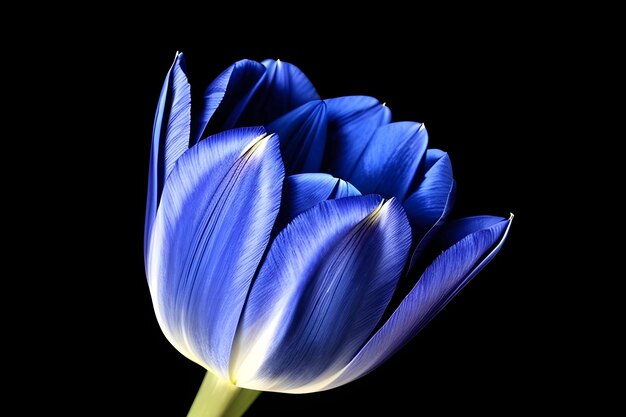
point(441, 281)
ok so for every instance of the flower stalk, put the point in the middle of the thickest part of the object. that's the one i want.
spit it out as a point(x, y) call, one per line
point(219, 398)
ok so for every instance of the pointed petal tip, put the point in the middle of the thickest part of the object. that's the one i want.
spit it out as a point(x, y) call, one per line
point(259, 134)
point(179, 59)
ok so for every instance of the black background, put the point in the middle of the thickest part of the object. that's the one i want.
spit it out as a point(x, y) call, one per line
point(477, 89)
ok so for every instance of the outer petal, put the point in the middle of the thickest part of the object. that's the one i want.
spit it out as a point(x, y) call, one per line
point(223, 94)
point(390, 161)
point(456, 230)
point(212, 227)
point(320, 292)
point(352, 122)
point(170, 136)
point(428, 207)
point(282, 88)
point(448, 274)
point(302, 134)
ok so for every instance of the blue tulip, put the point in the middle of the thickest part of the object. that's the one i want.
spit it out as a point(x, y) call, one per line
point(272, 253)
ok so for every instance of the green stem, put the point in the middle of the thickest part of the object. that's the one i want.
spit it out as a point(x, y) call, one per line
point(219, 398)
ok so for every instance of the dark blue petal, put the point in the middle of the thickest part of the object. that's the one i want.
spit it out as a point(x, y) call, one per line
point(390, 161)
point(282, 88)
point(302, 134)
point(222, 95)
point(214, 222)
point(432, 156)
point(322, 289)
point(303, 191)
point(429, 206)
point(344, 189)
point(170, 136)
point(352, 122)
point(447, 275)
point(456, 230)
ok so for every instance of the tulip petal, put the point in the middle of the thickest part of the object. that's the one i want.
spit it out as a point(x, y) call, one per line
point(322, 289)
point(352, 122)
point(170, 136)
point(432, 156)
point(391, 159)
point(282, 88)
point(457, 229)
point(302, 134)
point(443, 279)
point(428, 207)
point(214, 222)
point(425, 206)
point(223, 94)
point(303, 191)
point(344, 189)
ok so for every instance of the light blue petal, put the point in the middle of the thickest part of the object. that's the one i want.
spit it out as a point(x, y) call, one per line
point(170, 136)
point(429, 206)
point(222, 95)
point(352, 122)
point(302, 134)
point(322, 289)
point(391, 159)
point(447, 275)
point(214, 222)
point(282, 88)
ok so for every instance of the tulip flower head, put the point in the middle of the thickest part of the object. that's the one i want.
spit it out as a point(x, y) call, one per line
point(279, 224)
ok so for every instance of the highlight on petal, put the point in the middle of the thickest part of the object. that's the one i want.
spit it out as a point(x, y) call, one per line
point(217, 211)
point(303, 191)
point(282, 88)
point(170, 136)
point(429, 206)
point(302, 134)
point(389, 163)
point(222, 95)
point(352, 122)
point(441, 281)
point(322, 289)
